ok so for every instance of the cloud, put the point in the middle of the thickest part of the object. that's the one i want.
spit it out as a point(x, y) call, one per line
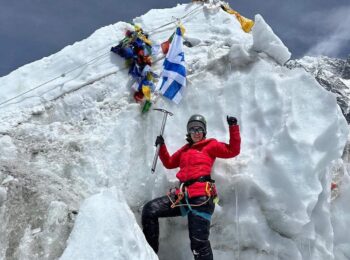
point(336, 34)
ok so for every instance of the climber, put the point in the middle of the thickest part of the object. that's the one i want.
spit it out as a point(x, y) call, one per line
point(197, 192)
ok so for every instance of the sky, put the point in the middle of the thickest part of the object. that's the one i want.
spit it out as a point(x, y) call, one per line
point(33, 29)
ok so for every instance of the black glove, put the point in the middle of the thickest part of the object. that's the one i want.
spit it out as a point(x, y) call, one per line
point(231, 120)
point(159, 140)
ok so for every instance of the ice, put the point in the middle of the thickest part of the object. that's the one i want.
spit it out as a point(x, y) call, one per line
point(341, 218)
point(266, 41)
point(80, 145)
point(3, 193)
point(106, 228)
point(7, 148)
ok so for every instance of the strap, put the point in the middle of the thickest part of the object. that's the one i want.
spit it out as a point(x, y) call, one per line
point(204, 215)
point(179, 197)
point(185, 212)
point(206, 178)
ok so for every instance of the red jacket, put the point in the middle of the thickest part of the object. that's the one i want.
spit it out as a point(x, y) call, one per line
point(198, 159)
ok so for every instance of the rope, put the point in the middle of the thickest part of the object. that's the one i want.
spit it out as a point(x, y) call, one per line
point(51, 80)
point(83, 85)
point(181, 18)
point(82, 65)
point(237, 222)
point(184, 212)
point(182, 194)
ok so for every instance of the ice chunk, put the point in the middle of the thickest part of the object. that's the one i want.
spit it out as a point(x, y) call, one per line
point(106, 229)
point(265, 40)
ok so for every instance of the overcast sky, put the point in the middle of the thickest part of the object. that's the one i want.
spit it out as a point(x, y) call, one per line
point(33, 29)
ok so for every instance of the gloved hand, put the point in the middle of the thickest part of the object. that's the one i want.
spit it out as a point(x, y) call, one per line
point(159, 140)
point(231, 120)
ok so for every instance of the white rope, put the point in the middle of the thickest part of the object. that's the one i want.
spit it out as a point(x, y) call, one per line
point(237, 222)
point(51, 80)
point(80, 86)
point(174, 22)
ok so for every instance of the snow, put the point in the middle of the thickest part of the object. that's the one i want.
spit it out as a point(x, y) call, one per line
point(341, 216)
point(7, 149)
point(106, 229)
point(82, 139)
point(264, 40)
point(346, 82)
point(2, 195)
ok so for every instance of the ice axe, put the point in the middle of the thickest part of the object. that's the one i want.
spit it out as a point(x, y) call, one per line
point(166, 113)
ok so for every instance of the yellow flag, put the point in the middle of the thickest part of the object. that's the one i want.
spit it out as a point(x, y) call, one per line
point(146, 90)
point(246, 23)
point(183, 30)
point(140, 34)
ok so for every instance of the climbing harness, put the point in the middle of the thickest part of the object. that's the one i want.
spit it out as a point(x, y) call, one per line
point(209, 188)
point(185, 212)
point(200, 179)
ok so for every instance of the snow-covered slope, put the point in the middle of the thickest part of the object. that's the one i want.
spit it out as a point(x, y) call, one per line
point(82, 134)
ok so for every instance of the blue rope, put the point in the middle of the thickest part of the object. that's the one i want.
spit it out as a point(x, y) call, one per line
point(185, 212)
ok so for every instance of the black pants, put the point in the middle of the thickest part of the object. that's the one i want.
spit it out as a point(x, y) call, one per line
point(198, 226)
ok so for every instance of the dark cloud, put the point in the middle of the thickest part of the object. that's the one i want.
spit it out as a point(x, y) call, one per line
point(335, 35)
point(315, 27)
point(32, 29)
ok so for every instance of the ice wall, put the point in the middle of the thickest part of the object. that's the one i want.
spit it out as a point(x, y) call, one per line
point(83, 133)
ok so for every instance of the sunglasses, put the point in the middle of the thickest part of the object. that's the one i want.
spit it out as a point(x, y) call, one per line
point(196, 130)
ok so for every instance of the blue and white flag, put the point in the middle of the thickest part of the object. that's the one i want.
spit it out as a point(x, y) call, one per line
point(174, 72)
